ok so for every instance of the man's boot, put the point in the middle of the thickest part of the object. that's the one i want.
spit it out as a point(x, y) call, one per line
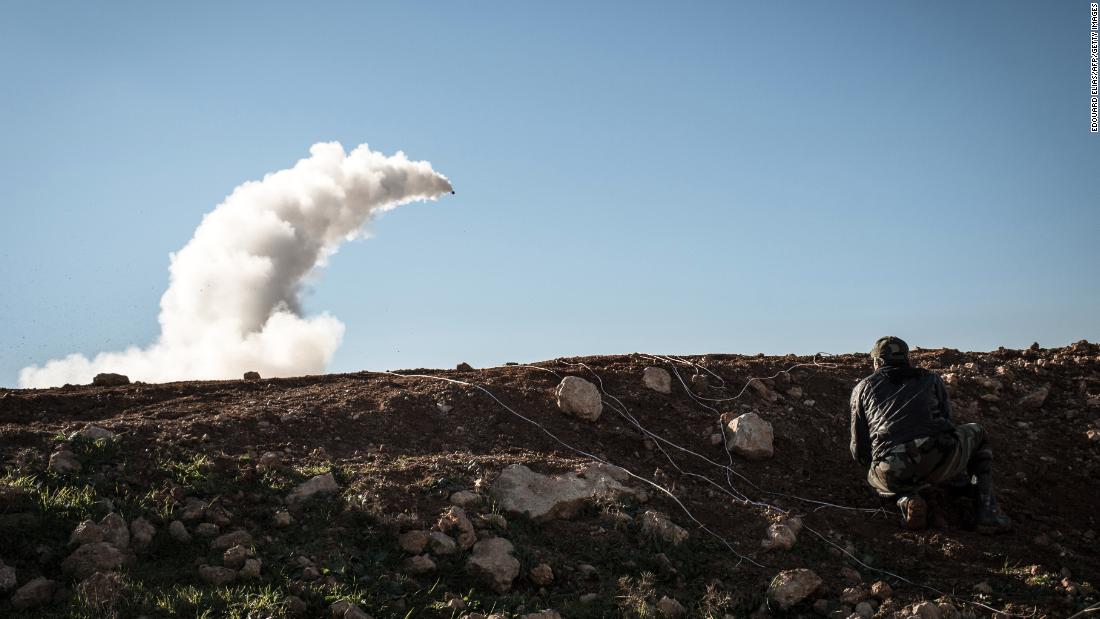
point(990, 518)
point(914, 512)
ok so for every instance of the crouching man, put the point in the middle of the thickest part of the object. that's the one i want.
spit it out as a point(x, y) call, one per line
point(902, 429)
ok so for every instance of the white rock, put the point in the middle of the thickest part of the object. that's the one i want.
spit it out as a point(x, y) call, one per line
point(320, 484)
point(577, 396)
point(657, 525)
point(492, 561)
point(93, 433)
point(792, 586)
point(519, 490)
point(750, 436)
point(657, 379)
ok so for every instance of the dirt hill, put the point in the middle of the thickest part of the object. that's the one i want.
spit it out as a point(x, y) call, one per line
point(226, 460)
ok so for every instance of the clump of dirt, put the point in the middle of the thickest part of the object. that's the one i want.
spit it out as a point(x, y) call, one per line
point(222, 457)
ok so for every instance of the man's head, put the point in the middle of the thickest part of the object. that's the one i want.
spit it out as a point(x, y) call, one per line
point(890, 350)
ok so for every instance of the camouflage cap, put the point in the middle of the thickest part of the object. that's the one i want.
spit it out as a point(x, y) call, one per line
point(890, 349)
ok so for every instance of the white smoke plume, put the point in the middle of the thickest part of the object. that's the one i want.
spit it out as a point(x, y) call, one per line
point(232, 303)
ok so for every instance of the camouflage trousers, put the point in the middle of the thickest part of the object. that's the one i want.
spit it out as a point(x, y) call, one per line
point(931, 460)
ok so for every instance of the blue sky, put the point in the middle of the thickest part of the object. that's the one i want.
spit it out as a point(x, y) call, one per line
point(644, 176)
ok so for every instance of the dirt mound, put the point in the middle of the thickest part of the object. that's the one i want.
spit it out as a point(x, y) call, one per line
point(392, 484)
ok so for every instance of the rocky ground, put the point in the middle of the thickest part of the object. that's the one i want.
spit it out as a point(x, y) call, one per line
point(636, 486)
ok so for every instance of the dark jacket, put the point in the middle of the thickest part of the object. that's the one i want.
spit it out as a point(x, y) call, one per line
point(895, 405)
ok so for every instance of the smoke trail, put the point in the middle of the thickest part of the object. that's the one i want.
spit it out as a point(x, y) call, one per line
point(232, 302)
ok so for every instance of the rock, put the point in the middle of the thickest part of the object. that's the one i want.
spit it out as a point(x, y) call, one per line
point(699, 384)
point(824, 607)
point(252, 376)
point(1093, 435)
point(795, 393)
point(442, 544)
point(413, 542)
point(206, 529)
point(87, 532)
point(142, 532)
point(102, 589)
point(178, 532)
point(356, 613)
point(541, 575)
point(7, 578)
point(465, 499)
point(851, 575)
point(763, 390)
point(865, 610)
point(948, 610)
point(115, 531)
point(657, 525)
point(233, 538)
point(792, 586)
point(282, 519)
point(455, 519)
point(321, 484)
point(63, 462)
point(927, 610)
point(854, 595)
point(577, 396)
point(668, 607)
point(251, 569)
point(92, 558)
point(881, 591)
point(657, 379)
point(495, 521)
point(93, 433)
point(542, 614)
point(983, 588)
point(1035, 399)
point(33, 594)
point(519, 490)
point(420, 564)
point(193, 509)
point(464, 367)
point(780, 536)
point(236, 556)
point(269, 461)
point(108, 379)
point(750, 436)
point(216, 575)
point(492, 561)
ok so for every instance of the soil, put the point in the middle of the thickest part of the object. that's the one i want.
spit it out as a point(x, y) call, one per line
point(400, 444)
